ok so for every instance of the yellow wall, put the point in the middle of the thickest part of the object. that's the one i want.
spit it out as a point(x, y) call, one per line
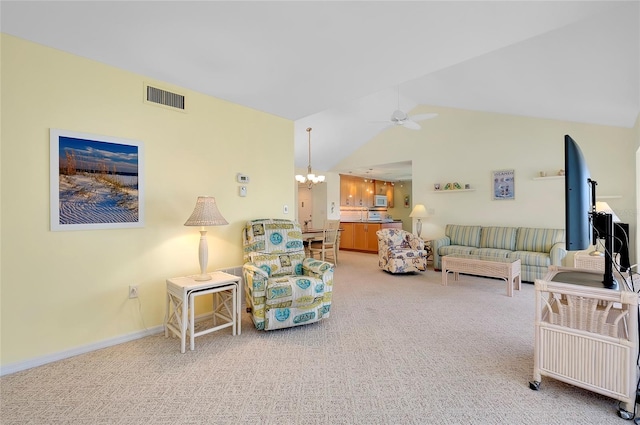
point(61, 290)
point(399, 211)
point(465, 146)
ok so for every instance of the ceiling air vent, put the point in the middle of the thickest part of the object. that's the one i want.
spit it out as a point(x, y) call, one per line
point(164, 97)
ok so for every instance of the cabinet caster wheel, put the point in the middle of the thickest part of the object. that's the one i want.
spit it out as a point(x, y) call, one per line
point(534, 385)
point(625, 415)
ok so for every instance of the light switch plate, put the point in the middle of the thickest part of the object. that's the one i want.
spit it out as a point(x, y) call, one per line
point(243, 191)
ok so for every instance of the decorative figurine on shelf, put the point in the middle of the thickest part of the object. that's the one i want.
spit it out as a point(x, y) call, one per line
point(436, 186)
point(456, 185)
point(448, 186)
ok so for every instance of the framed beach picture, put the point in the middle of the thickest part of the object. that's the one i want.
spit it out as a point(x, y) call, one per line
point(503, 185)
point(97, 182)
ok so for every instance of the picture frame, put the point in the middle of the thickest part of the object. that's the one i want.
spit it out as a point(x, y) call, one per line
point(96, 182)
point(503, 182)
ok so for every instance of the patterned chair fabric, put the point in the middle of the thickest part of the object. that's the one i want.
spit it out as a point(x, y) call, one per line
point(283, 288)
point(536, 248)
point(400, 251)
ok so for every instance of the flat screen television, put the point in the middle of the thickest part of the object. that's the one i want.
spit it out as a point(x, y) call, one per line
point(580, 201)
point(577, 197)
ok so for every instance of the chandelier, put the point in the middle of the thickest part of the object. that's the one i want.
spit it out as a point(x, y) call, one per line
point(311, 178)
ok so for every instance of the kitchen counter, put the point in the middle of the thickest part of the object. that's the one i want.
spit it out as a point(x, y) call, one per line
point(371, 221)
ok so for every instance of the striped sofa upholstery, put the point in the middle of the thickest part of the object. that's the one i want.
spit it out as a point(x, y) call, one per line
point(283, 287)
point(536, 248)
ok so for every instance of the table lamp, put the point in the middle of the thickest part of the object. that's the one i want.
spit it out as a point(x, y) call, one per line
point(419, 211)
point(205, 214)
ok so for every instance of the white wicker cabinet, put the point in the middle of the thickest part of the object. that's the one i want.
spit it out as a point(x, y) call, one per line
point(587, 336)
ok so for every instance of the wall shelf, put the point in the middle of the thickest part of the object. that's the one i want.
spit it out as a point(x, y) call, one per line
point(608, 196)
point(549, 178)
point(453, 190)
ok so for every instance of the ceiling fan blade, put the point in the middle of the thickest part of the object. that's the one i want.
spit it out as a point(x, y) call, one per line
point(422, 117)
point(411, 125)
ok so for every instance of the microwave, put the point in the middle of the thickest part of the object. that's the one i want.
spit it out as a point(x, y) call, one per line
point(379, 201)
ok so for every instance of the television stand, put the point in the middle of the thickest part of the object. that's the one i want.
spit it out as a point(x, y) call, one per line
point(586, 335)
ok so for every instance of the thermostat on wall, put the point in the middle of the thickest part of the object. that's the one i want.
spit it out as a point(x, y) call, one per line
point(242, 178)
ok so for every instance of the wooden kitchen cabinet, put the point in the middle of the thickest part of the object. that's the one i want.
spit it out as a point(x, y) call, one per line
point(346, 236)
point(359, 236)
point(390, 189)
point(385, 188)
point(355, 192)
point(364, 236)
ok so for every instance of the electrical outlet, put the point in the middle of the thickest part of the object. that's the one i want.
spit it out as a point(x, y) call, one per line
point(133, 291)
point(285, 209)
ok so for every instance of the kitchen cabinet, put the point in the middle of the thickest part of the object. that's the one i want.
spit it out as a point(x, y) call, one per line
point(364, 236)
point(389, 194)
point(346, 236)
point(385, 188)
point(356, 191)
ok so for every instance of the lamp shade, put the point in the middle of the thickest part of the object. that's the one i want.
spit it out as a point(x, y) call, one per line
point(418, 211)
point(602, 206)
point(206, 213)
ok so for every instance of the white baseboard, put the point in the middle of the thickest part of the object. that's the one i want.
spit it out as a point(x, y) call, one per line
point(50, 358)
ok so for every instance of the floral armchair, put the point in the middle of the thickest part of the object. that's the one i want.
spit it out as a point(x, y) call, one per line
point(400, 251)
point(283, 288)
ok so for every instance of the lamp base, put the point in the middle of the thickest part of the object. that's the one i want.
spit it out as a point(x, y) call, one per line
point(202, 277)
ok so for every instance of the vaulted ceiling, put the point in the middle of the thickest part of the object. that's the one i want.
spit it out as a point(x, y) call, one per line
point(336, 66)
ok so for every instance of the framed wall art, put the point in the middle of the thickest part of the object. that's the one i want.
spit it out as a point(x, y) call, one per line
point(503, 185)
point(96, 182)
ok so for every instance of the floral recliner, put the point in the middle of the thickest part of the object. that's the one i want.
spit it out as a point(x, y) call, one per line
point(400, 251)
point(283, 287)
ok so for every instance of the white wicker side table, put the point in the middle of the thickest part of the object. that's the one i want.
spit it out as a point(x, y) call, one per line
point(582, 260)
point(181, 294)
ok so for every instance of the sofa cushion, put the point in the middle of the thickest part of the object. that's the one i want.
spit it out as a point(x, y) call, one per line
point(491, 252)
point(499, 238)
point(529, 258)
point(454, 249)
point(463, 235)
point(538, 240)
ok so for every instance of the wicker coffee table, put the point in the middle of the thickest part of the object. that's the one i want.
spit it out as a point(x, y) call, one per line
point(504, 268)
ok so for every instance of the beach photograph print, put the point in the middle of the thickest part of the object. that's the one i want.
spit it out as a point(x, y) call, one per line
point(96, 181)
point(503, 185)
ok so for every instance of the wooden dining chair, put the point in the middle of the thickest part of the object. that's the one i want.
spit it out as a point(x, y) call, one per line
point(328, 244)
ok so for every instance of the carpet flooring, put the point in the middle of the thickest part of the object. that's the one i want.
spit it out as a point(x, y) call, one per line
point(397, 349)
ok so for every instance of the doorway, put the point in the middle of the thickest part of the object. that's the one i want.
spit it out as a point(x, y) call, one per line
point(305, 207)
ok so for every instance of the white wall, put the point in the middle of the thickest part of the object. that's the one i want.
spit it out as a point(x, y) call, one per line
point(465, 146)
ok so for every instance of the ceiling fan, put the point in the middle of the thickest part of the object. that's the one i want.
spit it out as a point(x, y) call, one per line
point(401, 118)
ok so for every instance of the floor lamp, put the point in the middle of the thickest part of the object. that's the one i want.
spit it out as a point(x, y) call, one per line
point(205, 214)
